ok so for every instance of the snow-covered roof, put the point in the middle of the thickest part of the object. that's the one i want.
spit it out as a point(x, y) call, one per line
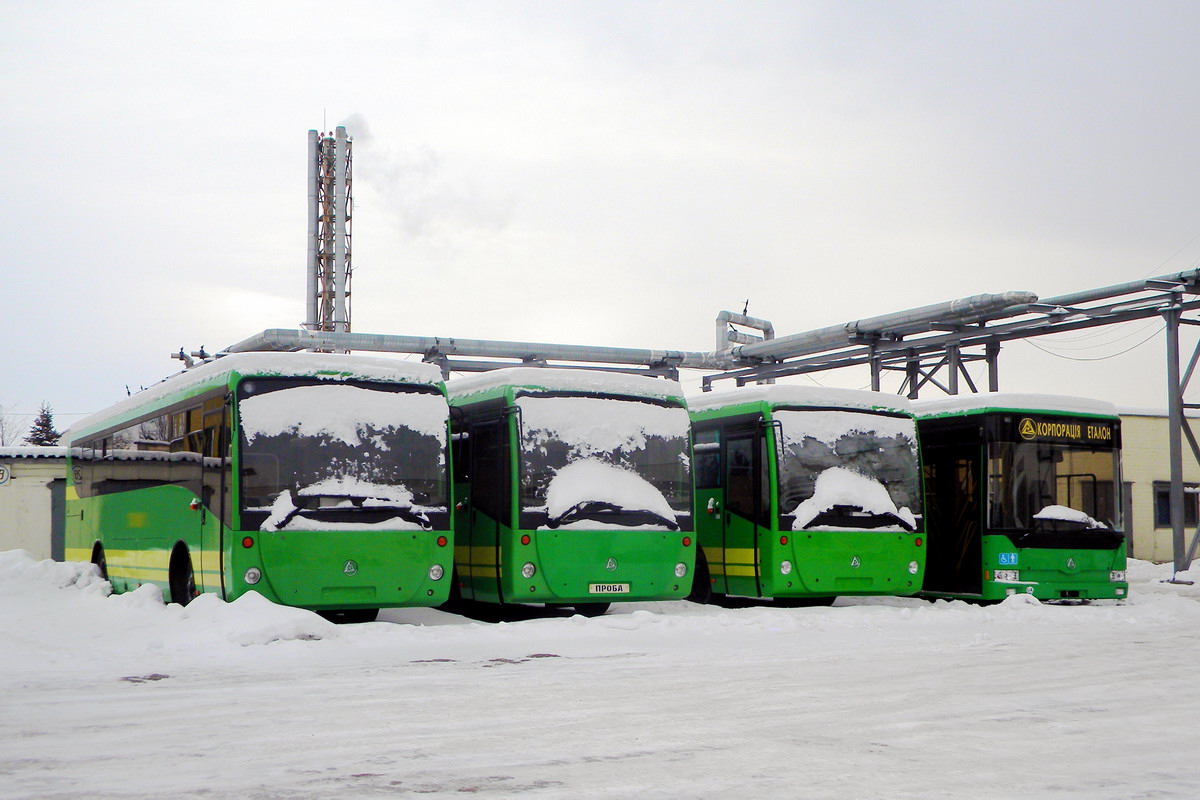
point(1016, 402)
point(788, 395)
point(33, 451)
point(289, 364)
point(565, 380)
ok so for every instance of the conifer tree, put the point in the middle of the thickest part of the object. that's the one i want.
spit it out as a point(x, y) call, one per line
point(42, 433)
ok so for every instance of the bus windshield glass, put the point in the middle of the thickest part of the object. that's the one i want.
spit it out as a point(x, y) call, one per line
point(1052, 486)
point(848, 469)
point(604, 460)
point(375, 449)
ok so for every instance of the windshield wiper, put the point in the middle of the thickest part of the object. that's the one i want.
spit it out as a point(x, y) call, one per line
point(404, 511)
point(597, 510)
point(849, 514)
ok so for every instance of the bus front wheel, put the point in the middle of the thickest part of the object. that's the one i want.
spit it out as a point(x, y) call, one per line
point(592, 609)
point(99, 560)
point(181, 577)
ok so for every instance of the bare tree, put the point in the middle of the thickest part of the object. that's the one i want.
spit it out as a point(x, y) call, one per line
point(10, 429)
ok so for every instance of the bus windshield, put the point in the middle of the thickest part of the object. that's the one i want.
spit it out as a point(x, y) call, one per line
point(1052, 486)
point(604, 460)
point(848, 469)
point(307, 446)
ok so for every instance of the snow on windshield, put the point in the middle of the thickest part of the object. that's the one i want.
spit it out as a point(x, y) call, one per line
point(341, 412)
point(642, 440)
point(593, 481)
point(338, 440)
point(879, 448)
point(838, 486)
point(596, 425)
point(1065, 514)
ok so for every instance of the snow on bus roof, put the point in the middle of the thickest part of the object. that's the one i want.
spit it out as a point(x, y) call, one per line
point(33, 451)
point(779, 394)
point(300, 365)
point(1018, 402)
point(565, 380)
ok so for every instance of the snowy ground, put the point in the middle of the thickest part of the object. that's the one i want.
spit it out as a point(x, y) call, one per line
point(121, 696)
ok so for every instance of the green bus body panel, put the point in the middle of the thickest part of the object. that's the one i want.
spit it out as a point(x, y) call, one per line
point(489, 554)
point(348, 569)
point(744, 557)
point(1055, 574)
point(307, 569)
point(570, 561)
point(1046, 573)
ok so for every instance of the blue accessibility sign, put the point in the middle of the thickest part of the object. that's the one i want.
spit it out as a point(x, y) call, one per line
point(1008, 559)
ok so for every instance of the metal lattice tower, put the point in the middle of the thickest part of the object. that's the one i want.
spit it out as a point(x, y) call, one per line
point(330, 210)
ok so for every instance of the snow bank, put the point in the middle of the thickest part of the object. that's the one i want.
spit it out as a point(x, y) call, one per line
point(253, 619)
point(19, 566)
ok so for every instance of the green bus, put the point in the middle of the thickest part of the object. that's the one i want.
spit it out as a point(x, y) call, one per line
point(317, 480)
point(806, 493)
point(1023, 497)
point(574, 488)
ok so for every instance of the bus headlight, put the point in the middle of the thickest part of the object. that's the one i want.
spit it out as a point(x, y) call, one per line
point(252, 576)
point(680, 569)
point(1008, 575)
point(1117, 576)
point(436, 572)
point(913, 567)
point(785, 567)
point(529, 570)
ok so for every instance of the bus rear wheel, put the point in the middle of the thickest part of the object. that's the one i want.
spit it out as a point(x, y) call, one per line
point(181, 577)
point(592, 609)
point(99, 560)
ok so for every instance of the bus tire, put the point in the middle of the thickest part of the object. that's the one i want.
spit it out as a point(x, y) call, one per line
point(346, 616)
point(701, 581)
point(181, 577)
point(99, 560)
point(592, 609)
point(804, 602)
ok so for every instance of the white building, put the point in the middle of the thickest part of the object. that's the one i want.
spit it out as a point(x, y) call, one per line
point(32, 484)
point(1147, 476)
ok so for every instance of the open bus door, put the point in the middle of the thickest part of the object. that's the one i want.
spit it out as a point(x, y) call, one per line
point(489, 505)
point(744, 478)
point(954, 517)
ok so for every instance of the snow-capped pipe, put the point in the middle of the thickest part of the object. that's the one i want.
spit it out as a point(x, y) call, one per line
point(726, 317)
point(1189, 277)
point(289, 339)
point(900, 322)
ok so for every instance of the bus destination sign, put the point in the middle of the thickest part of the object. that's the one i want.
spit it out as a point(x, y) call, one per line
point(1066, 430)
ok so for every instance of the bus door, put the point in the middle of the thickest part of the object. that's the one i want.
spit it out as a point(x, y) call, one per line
point(489, 504)
point(744, 477)
point(954, 516)
point(214, 495)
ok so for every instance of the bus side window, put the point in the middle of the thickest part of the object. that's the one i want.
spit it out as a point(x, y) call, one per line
point(739, 482)
point(707, 453)
point(460, 454)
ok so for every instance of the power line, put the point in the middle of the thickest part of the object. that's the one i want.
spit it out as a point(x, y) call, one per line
point(1035, 345)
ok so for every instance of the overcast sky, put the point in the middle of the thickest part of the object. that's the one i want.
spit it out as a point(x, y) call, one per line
point(610, 173)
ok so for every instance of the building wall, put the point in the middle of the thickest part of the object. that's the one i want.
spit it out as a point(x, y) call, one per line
point(1145, 460)
point(25, 502)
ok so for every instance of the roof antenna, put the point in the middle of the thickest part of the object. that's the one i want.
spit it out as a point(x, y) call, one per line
point(746, 307)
